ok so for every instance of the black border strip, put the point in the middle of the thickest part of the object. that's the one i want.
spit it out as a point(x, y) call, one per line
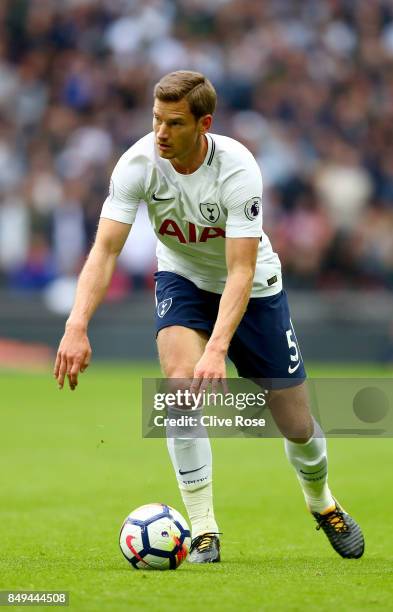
point(212, 152)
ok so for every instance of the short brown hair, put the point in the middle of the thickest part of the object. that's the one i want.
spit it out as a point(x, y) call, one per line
point(193, 86)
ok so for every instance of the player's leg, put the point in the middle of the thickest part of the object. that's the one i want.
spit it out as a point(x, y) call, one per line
point(305, 444)
point(305, 447)
point(265, 346)
point(180, 349)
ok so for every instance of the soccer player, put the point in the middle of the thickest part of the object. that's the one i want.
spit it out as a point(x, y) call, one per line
point(218, 291)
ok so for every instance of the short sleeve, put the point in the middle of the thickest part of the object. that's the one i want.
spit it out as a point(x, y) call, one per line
point(126, 190)
point(242, 197)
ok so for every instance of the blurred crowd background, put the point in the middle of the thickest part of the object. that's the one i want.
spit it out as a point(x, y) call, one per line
point(307, 85)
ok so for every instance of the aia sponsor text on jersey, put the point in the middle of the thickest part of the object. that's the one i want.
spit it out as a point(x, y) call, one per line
point(191, 233)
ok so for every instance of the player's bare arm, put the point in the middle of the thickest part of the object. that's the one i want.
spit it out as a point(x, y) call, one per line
point(241, 256)
point(74, 351)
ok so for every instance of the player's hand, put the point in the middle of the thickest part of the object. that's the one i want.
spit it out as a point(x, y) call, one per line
point(210, 369)
point(73, 356)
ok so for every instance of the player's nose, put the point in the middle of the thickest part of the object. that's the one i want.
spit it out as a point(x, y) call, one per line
point(162, 133)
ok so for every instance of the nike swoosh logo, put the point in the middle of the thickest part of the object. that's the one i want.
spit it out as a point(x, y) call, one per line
point(191, 471)
point(160, 199)
point(292, 370)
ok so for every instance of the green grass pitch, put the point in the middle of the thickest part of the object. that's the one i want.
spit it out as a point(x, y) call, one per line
point(74, 465)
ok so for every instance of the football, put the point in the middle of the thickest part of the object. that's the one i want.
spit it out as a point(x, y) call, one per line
point(155, 536)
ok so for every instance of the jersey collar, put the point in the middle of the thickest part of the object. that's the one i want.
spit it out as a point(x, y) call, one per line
point(211, 149)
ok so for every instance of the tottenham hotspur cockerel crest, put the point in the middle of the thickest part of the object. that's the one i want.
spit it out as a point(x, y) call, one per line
point(210, 212)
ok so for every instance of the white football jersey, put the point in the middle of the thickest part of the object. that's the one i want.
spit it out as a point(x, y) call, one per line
point(193, 213)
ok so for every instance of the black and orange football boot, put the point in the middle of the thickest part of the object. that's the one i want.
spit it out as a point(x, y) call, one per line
point(205, 548)
point(342, 531)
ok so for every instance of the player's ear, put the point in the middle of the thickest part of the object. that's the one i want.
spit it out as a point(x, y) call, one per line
point(205, 123)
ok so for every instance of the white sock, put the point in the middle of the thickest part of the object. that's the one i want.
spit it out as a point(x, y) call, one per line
point(310, 462)
point(192, 461)
point(199, 504)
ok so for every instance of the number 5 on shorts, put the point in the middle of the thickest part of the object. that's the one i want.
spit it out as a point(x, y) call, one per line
point(294, 355)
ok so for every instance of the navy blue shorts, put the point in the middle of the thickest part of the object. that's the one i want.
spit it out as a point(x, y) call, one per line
point(264, 345)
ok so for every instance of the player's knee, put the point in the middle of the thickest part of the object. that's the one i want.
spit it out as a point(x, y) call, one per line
point(179, 380)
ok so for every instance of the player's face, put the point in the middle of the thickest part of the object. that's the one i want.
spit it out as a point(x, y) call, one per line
point(178, 133)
